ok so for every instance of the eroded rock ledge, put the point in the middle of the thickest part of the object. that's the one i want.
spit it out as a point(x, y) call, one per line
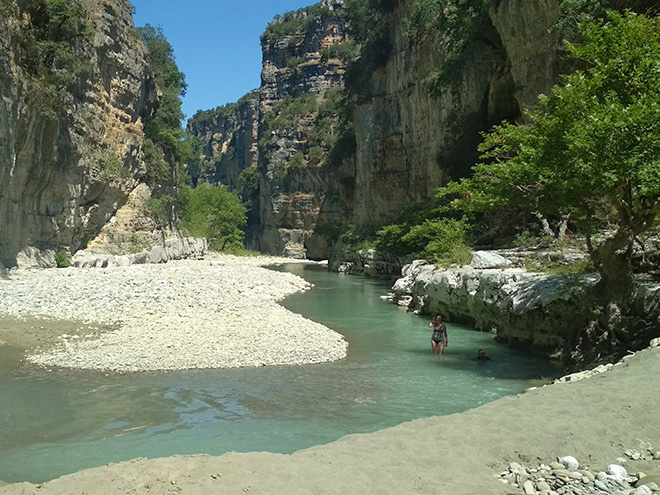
point(521, 308)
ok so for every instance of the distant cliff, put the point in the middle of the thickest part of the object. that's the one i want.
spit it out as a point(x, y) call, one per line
point(305, 56)
point(227, 141)
point(71, 140)
point(356, 124)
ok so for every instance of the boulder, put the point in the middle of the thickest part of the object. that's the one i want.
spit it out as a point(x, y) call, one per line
point(488, 259)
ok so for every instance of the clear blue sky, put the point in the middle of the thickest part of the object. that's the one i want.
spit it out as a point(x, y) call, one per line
point(216, 43)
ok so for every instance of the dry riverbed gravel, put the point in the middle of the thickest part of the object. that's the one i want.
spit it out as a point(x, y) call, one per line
point(220, 313)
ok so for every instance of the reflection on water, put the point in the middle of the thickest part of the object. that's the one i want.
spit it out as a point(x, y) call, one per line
point(57, 422)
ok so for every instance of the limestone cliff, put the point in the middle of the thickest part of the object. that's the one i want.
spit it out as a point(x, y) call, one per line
point(302, 71)
point(411, 140)
point(67, 163)
point(227, 141)
point(284, 130)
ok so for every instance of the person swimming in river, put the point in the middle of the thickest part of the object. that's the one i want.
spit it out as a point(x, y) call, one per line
point(481, 355)
point(439, 337)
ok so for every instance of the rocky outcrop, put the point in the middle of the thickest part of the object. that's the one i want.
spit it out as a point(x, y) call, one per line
point(538, 311)
point(522, 308)
point(66, 167)
point(175, 248)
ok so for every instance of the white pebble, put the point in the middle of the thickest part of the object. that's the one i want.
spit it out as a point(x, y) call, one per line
point(617, 471)
point(570, 462)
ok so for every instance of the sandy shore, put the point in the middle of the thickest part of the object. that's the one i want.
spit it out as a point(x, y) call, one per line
point(595, 420)
point(180, 315)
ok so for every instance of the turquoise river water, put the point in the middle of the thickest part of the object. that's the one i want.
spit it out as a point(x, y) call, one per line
point(56, 422)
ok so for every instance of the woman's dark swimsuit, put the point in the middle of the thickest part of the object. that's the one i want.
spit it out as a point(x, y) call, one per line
point(438, 336)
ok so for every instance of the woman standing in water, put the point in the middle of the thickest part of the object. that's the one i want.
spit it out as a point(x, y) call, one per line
point(439, 338)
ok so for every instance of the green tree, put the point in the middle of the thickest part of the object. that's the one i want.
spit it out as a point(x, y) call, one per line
point(167, 148)
point(214, 213)
point(443, 241)
point(591, 150)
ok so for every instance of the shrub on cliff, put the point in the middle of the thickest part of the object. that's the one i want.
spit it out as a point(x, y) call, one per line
point(454, 26)
point(50, 48)
point(441, 241)
point(294, 22)
point(572, 12)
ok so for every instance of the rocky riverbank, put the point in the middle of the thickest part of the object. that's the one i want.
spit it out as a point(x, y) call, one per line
point(215, 313)
point(536, 311)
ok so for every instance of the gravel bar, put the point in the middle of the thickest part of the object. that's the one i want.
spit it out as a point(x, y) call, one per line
point(220, 313)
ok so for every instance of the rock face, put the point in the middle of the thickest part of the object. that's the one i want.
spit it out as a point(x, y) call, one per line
point(64, 172)
point(533, 310)
point(228, 141)
point(522, 308)
point(410, 142)
point(298, 76)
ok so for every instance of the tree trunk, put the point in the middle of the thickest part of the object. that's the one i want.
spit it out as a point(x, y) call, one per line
point(612, 259)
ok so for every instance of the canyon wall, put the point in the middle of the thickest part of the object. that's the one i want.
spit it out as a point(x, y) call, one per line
point(392, 141)
point(410, 140)
point(227, 141)
point(69, 160)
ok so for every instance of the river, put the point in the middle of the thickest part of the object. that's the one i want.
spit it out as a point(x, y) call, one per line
point(60, 421)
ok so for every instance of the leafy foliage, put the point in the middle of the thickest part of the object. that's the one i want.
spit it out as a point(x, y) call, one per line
point(294, 62)
point(162, 208)
point(365, 17)
point(112, 169)
point(214, 213)
point(50, 49)
point(223, 110)
point(166, 145)
point(442, 241)
point(572, 12)
point(50, 40)
point(591, 150)
point(294, 22)
point(62, 259)
point(347, 51)
point(289, 109)
point(248, 181)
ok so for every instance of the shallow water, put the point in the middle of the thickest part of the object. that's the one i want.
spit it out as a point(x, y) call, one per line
point(57, 422)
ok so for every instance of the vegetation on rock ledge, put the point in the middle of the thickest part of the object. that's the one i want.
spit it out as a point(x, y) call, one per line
point(50, 49)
